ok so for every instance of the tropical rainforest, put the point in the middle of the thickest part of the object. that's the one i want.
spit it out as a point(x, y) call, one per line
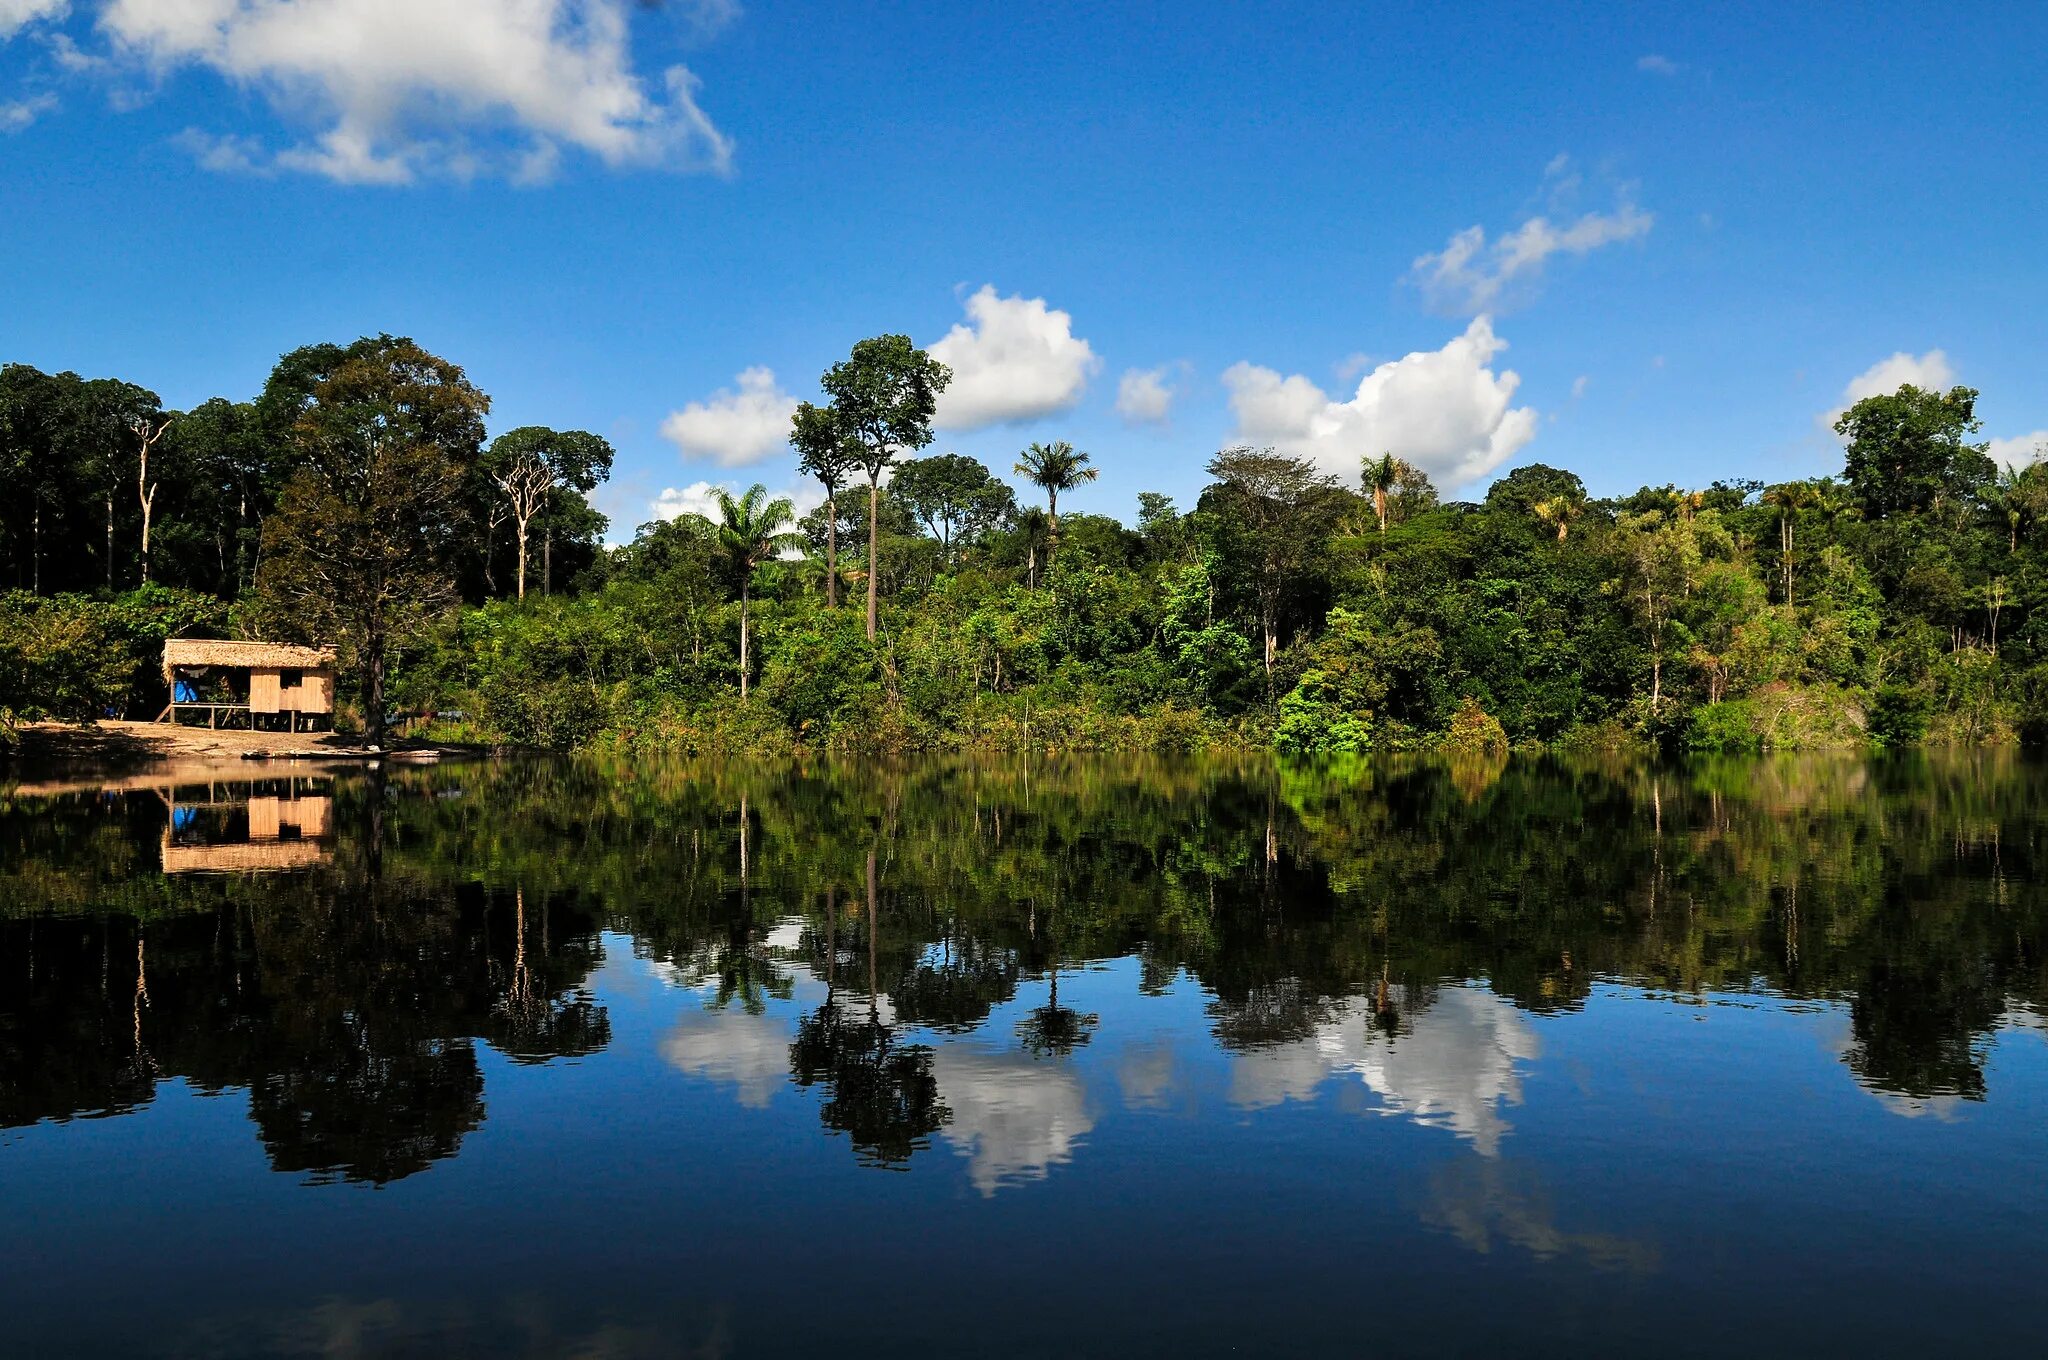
point(934, 603)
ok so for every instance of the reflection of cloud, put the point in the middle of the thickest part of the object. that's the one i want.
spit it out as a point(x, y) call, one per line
point(747, 1052)
point(1145, 1075)
point(1482, 1202)
point(787, 937)
point(1453, 1071)
point(1012, 1116)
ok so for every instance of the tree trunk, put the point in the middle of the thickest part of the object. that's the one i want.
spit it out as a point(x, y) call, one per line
point(831, 550)
point(1379, 507)
point(147, 499)
point(874, 549)
point(1031, 566)
point(743, 642)
point(35, 552)
point(522, 559)
point(1052, 524)
point(547, 562)
point(110, 538)
point(873, 990)
point(373, 688)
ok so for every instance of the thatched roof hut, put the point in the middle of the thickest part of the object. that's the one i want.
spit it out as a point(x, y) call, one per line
point(276, 679)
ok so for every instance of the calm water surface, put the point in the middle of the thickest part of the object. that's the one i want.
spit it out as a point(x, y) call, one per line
point(1027, 1060)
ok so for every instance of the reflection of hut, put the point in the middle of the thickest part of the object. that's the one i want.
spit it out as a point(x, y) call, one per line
point(279, 824)
point(271, 684)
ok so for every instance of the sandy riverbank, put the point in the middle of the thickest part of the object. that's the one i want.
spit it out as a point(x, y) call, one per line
point(52, 750)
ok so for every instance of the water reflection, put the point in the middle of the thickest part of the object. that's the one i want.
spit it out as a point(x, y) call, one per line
point(1454, 1062)
point(899, 950)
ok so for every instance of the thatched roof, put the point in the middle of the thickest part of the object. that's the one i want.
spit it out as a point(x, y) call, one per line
point(281, 655)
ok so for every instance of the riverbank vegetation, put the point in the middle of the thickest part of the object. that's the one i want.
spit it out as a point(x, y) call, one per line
point(933, 602)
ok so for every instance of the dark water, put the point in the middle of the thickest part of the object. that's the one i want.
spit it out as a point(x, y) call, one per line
point(1051, 1060)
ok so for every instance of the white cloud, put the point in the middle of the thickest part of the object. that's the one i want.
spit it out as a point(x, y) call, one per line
point(1657, 65)
point(16, 15)
point(398, 88)
point(1930, 371)
point(1470, 276)
point(1443, 410)
point(1579, 385)
point(20, 113)
point(2020, 450)
point(1015, 359)
point(735, 425)
point(1143, 395)
point(226, 154)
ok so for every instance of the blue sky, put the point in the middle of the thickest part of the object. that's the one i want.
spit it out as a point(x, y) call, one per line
point(1700, 224)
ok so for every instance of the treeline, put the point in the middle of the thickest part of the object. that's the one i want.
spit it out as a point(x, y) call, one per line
point(931, 603)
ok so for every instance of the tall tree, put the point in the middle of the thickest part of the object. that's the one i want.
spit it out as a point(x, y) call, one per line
point(883, 396)
point(954, 496)
point(532, 464)
point(750, 531)
point(361, 547)
point(148, 433)
point(1790, 498)
point(1909, 449)
point(826, 451)
point(1278, 510)
point(1056, 467)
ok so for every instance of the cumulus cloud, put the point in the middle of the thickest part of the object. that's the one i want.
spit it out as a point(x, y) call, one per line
point(1144, 396)
point(735, 425)
point(1657, 65)
point(1014, 359)
point(1444, 410)
point(398, 88)
point(2020, 450)
point(1470, 275)
point(1930, 371)
point(18, 114)
point(16, 15)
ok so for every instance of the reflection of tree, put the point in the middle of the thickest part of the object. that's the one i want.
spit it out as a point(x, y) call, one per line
point(362, 1105)
point(1909, 892)
point(881, 1092)
point(1053, 1030)
point(345, 1001)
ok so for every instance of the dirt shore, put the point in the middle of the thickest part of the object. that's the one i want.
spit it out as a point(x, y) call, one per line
point(53, 750)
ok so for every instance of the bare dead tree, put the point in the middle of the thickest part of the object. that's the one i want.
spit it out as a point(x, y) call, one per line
point(145, 489)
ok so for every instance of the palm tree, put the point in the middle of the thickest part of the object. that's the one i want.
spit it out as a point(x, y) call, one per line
point(751, 530)
point(1791, 498)
point(1380, 475)
point(1057, 467)
point(1559, 511)
point(2023, 496)
point(1032, 525)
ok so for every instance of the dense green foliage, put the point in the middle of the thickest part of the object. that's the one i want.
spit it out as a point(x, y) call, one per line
point(1898, 603)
